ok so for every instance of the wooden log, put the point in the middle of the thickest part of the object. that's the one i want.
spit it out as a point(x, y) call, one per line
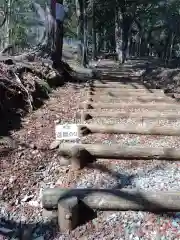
point(121, 79)
point(138, 116)
point(118, 89)
point(118, 85)
point(110, 85)
point(142, 99)
point(149, 106)
point(116, 199)
point(115, 151)
point(123, 85)
point(132, 129)
point(68, 213)
point(128, 94)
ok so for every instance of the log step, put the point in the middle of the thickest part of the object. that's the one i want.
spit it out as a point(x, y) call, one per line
point(122, 86)
point(118, 85)
point(115, 151)
point(131, 129)
point(142, 99)
point(120, 114)
point(149, 106)
point(122, 94)
point(139, 90)
point(115, 199)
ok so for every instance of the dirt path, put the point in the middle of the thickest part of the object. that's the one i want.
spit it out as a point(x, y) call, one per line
point(28, 170)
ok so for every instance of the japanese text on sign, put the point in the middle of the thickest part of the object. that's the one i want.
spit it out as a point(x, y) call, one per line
point(67, 132)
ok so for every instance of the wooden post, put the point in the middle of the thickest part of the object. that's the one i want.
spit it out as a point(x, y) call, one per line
point(86, 106)
point(68, 213)
point(79, 157)
point(77, 160)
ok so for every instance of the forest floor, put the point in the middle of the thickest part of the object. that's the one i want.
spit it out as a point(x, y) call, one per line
point(28, 169)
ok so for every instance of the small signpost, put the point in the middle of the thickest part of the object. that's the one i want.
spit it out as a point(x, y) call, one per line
point(67, 132)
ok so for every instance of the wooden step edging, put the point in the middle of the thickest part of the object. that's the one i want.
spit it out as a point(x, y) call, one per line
point(126, 90)
point(140, 99)
point(117, 85)
point(149, 106)
point(114, 199)
point(122, 93)
point(80, 155)
point(120, 114)
point(68, 201)
point(129, 129)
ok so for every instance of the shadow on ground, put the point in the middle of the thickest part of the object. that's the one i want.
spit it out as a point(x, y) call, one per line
point(10, 229)
point(49, 230)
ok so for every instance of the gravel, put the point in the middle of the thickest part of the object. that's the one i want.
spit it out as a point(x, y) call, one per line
point(27, 171)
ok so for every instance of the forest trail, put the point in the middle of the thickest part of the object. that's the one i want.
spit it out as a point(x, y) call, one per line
point(26, 171)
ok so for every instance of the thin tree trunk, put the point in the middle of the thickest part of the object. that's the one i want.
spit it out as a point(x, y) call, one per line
point(58, 41)
point(53, 27)
point(171, 45)
point(84, 60)
point(98, 37)
point(93, 32)
point(118, 34)
point(7, 25)
point(79, 15)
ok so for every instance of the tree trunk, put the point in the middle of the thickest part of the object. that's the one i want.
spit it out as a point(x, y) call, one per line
point(98, 37)
point(82, 31)
point(53, 27)
point(129, 50)
point(118, 34)
point(58, 41)
point(171, 45)
point(93, 32)
point(84, 60)
point(79, 15)
point(7, 25)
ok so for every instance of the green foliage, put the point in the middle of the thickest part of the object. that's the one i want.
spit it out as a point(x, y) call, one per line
point(157, 22)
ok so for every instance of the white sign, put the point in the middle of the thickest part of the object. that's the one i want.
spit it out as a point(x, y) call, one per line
point(60, 12)
point(67, 132)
